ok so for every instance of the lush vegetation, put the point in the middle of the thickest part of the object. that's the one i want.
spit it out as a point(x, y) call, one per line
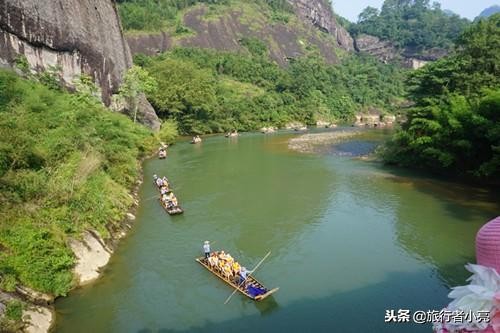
point(208, 91)
point(411, 23)
point(12, 321)
point(455, 125)
point(155, 15)
point(66, 165)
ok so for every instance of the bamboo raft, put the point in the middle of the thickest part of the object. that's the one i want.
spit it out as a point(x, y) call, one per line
point(250, 280)
point(177, 210)
point(172, 210)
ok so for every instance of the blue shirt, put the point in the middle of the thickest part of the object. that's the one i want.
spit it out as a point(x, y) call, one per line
point(206, 248)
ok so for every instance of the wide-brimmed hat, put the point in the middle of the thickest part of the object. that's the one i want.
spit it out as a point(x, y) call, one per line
point(207, 242)
point(487, 249)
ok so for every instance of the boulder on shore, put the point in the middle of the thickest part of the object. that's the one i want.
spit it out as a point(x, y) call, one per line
point(374, 118)
point(325, 124)
point(268, 130)
point(34, 296)
point(296, 126)
point(37, 319)
point(91, 255)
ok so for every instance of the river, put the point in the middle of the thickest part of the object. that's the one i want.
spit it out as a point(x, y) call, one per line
point(350, 239)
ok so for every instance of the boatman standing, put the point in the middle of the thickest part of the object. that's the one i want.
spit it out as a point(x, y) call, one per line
point(206, 249)
point(244, 274)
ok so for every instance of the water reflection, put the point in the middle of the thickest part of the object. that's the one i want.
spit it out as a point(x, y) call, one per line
point(349, 239)
point(360, 310)
point(235, 187)
point(447, 242)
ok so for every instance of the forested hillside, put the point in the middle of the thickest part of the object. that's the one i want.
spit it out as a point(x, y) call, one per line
point(285, 66)
point(411, 24)
point(455, 126)
point(210, 91)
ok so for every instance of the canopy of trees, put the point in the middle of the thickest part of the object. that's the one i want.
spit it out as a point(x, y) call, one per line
point(209, 91)
point(455, 125)
point(411, 23)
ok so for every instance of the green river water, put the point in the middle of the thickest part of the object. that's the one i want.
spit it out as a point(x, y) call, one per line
point(349, 240)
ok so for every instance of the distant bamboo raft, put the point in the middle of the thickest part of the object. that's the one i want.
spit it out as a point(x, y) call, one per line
point(175, 210)
point(249, 282)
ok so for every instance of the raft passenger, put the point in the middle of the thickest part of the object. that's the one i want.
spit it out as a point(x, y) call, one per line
point(159, 182)
point(213, 260)
point(236, 268)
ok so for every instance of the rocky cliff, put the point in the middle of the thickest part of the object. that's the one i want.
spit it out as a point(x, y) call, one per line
point(319, 14)
point(312, 28)
point(386, 52)
point(78, 36)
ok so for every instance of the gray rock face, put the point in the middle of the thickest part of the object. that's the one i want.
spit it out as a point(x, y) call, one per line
point(224, 33)
point(382, 50)
point(386, 52)
point(319, 13)
point(284, 41)
point(79, 36)
point(146, 115)
point(149, 44)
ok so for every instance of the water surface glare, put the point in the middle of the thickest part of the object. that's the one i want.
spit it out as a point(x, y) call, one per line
point(349, 239)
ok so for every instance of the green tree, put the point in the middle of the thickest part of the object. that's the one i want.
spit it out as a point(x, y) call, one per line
point(212, 91)
point(185, 93)
point(136, 82)
point(414, 24)
point(454, 126)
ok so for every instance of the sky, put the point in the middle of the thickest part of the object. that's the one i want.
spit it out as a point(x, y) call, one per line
point(350, 9)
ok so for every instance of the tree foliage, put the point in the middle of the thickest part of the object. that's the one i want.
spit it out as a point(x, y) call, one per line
point(136, 82)
point(455, 125)
point(411, 23)
point(209, 91)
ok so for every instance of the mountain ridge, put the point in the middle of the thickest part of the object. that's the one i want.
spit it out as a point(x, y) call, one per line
point(487, 12)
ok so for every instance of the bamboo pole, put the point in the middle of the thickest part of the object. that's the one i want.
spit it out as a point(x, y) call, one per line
point(253, 270)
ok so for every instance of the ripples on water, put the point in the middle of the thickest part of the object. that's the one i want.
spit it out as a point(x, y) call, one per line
point(349, 239)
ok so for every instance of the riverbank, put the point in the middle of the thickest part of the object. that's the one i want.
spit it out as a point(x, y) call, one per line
point(67, 186)
point(92, 253)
